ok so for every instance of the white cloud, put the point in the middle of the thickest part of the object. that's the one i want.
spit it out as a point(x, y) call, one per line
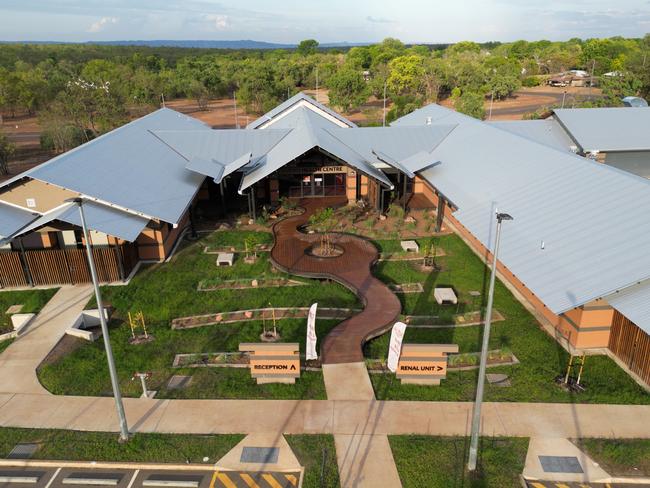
point(218, 21)
point(101, 24)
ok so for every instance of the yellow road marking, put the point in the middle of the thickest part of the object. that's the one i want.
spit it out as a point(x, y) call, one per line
point(536, 485)
point(248, 480)
point(271, 481)
point(225, 480)
point(562, 485)
point(214, 479)
point(292, 479)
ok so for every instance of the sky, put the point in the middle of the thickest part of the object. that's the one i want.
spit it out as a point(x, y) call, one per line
point(289, 21)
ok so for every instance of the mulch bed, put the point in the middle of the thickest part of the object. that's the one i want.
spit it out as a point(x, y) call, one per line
point(248, 284)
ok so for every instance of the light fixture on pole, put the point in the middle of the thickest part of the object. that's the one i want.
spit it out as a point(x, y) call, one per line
point(383, 124)
point(124, 430)
point(476, 417)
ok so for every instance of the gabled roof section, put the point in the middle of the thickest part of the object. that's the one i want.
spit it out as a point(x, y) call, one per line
point(308, 131)
point(218, 153)
point(130, 168)
point(299, 100)
point(607, 129)
point(99, 217)
point(431, 114)
point(395, 146)
point(12, 219)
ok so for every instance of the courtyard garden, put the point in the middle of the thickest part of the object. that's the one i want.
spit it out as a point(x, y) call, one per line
point(164, 292)
point(197, 297)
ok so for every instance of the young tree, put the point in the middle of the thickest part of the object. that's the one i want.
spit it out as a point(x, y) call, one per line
point(348, 89)
point(406, 75)
point(470, 103)
point(7, 150)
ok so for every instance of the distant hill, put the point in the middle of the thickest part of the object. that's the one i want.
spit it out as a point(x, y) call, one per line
point(200, 44)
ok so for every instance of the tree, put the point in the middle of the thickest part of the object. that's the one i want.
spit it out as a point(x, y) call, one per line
point(348, 89)
point(307, 47)
point(406, 75)
point(7, 150)
point(324, 222)
point(470, 103)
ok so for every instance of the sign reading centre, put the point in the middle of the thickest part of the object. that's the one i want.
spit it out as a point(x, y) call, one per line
point(273, 363)
point(424, 364)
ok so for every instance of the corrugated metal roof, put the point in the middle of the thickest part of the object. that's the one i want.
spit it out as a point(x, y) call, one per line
point(99, 217)
point(546, 131)
point(287, 104)
point(592, 219)
point(217, 153)
point(307, 132)
point(607, 129)
point(397, 143)
point(431, 114)
point(130, 167)
point(634, 303)
point(13, 219)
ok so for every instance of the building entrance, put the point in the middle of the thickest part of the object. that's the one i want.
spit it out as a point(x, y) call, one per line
point(327, 181)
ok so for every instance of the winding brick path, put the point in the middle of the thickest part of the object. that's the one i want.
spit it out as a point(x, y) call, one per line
point(352, 269)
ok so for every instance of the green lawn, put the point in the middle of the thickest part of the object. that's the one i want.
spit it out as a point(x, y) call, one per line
point(5, 344)
point(32, 301)
point(542, 359)
point(103, 446)
point(440, 462)
point(317, 454)
point(83, 371)
point(619, 457)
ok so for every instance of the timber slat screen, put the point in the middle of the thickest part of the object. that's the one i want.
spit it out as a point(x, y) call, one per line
point(11, 270)
point(61, 266)
point(631, 345)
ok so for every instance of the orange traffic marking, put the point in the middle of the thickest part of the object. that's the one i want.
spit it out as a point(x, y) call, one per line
point(248, 480)
point(271, 480)
point(292, 479)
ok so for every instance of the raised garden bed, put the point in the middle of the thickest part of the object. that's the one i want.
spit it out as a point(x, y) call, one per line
point(407, 288)
point(218, 249)
point(246, 284)
point(457, 362)
point(459, 320)
point(408, 256)
point(259, 314)
point(228, 360)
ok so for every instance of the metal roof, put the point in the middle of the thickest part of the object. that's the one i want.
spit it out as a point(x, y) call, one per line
point(129, 167)
point(296, 100)
point(607, 129)
point(307, 132)
point(545, 131)
point(217, 153)
point(430, 114)
point(581, 228)
point(99, 218)
point(634, 303)
point(12, 219)
point(394, 145)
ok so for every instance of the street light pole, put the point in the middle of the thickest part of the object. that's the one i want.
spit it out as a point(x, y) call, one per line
point(124, 430)
point(476, 417)
point(383, 124)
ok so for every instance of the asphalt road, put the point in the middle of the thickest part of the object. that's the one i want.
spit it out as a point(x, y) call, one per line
point(119, 478)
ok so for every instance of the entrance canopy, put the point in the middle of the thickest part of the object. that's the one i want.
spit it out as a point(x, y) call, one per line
point(299, 128)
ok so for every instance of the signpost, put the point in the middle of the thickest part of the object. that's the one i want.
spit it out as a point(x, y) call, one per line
point(273, 363)
point(424, 364)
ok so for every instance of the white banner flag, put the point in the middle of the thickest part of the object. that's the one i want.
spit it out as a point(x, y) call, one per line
point(395, 347)
point(311, 333)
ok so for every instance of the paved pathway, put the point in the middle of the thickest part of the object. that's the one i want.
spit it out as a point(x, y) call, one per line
point(352, 269)
point(19, 361)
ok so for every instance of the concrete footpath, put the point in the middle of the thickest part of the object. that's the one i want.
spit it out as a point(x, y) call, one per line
point(19, 361)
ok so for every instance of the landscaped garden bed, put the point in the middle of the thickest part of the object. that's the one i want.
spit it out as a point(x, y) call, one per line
point(228, 360)
point(245, 284)
point(407, 288)
point(457, 362)
point(259, 314)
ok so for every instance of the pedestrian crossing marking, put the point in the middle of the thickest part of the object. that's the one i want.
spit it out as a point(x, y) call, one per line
point(271, 481)
point(249, 480)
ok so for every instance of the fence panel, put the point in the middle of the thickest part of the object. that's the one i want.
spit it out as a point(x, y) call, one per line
point(12, 272)
point(631, 345)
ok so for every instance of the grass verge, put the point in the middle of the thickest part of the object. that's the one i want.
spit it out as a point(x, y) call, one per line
point(104, 446)
point(317, 453)
point(31, 300)
point(440, 462)
point(619, 457)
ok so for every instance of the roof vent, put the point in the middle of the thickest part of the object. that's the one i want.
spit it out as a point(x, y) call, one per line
point(31, 202)
point(574, 149)
point(428, 120)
